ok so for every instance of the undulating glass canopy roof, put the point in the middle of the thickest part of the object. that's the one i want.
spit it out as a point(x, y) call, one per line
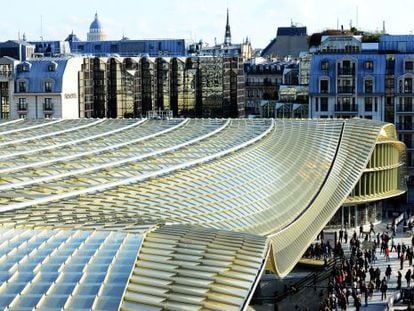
point(213, 201)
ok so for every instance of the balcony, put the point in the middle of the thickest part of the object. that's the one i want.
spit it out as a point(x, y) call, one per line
point(263, 83)
point(405, 126)
point(407, 90)
point(405, 108)
point(346, 89)
point(47, 106)
point(346, 108)
point(21, 107)
point(346, 71)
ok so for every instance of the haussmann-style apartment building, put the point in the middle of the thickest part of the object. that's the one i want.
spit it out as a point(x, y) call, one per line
point(349, 78)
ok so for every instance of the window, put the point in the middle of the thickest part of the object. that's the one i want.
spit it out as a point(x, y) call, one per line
point(368, 85)
point(408, 85)
point(48, 86)
point(369, 65)
point(408, 104)
point(22, 86)
point(51, 66)
point(22, 116)
point(316, 104)
point(48, 115)
point(25, 67)
point(408, 65)
point(324, 65)
point(48, 105)
point(5, 70)
point(22, 105)
point(368, 103)
point(324, 85)
point(324, 103)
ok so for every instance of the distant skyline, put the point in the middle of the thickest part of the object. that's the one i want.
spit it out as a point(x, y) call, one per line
point(199, 20)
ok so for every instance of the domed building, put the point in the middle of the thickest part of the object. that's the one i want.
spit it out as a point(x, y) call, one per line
point(96, 32)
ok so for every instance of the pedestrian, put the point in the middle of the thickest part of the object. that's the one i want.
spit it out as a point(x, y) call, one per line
point(393, 247)
point(361, 230)
point(371, 228)
point(398, 250)
point(387, 253)
point(341, 234)
point(402, 261)
point(384, 288)
point(408, 277)
point(346, 236)
point(388, 272)
point(357, 303)
point(399, 277)
point(371, 273)
point(370, 289)
point(364, 291)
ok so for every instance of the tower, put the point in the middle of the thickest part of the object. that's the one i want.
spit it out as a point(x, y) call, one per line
point(96, 32)
point(227, 35)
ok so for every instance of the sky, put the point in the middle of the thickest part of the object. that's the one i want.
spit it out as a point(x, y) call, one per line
point(199, 19)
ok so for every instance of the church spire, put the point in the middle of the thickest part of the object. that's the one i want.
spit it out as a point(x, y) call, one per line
point(227, 35)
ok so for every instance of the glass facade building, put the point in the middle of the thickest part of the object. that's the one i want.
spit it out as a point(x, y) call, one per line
point(130, 87)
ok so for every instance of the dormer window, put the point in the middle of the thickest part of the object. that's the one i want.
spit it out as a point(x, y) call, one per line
point(48, 86)
point(324, 65)
point(25, 67)
point(52, 66)
point(324, 86)
point(369, 85)
point(369, 65)
point(22, 86)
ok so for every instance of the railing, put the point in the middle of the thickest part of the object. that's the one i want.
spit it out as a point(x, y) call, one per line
point(346, 89)
point(22, 107)
point(346, 71)
point(405, 108)
point(346, 108)
point(405, 126)
point(47, 106)
point(264, 83)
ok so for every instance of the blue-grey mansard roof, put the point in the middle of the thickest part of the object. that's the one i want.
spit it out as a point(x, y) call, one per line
point(377, 72)
point(37, 71)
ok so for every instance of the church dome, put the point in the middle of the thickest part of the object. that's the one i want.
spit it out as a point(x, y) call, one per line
point(96, 25)
point(96, 32)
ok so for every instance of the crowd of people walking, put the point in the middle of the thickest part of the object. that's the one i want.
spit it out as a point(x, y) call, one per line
point(356, 274)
